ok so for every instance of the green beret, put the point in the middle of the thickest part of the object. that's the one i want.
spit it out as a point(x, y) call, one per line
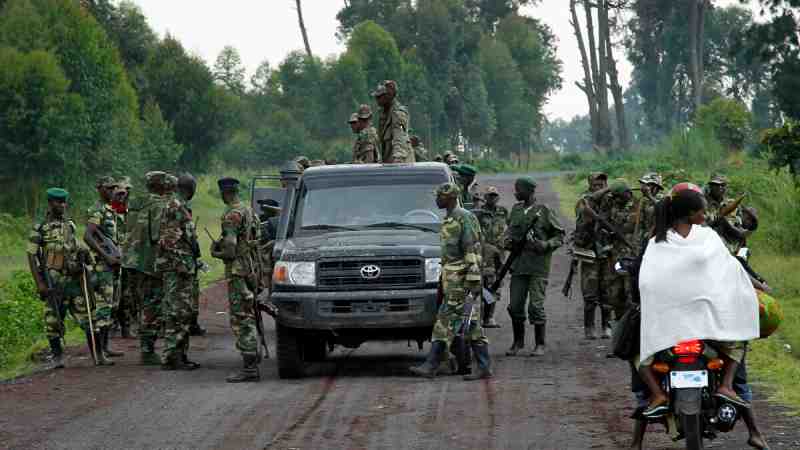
point(57, 194)
point(526, 182)
point(620, 186)
point(464, 169)
point(448, 190)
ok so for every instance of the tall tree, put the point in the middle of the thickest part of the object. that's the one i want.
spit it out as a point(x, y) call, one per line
point(697, 23)
point(229, 71)
point(303, 27)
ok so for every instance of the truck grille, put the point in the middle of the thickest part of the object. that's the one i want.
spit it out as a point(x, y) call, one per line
point(394, 274)
point(340, 307)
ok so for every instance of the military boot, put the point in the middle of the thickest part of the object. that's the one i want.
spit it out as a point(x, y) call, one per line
point(57, 360)
point(195, 329)
point(429, 368)
point(588, 323)
point(249, 372)
point(539, 332)
point(518, 328)
point(489, 321)
point(98, 356)
point(149, 356)
point(481, 352)
point(463, 354)
point(605, 314)
point(105, 340)
point(179, 362)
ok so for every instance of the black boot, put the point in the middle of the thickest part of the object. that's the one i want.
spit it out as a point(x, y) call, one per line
point(57, 361)
point(460, 349)
point(105, 335)
point(481, 352)
point(249, 372)
point(429, 368)
point(148, 356)
point(539, 331)
point(518, 328)
point(195, 329)
point(488, 321)
point(588, 321)
point(605, 314)
point(99, 358)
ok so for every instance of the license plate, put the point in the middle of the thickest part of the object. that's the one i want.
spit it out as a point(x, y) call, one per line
point(689, 379)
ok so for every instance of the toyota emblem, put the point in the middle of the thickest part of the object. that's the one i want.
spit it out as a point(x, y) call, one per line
point(371, 272)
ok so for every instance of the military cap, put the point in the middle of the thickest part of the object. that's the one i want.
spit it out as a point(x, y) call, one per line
point(718, 179)
point(379, 90)
point(465, 170)
point(448, 190)
point(124, 183)
point(491, 190)
point(364, 112)
point(594, 176)
point(302, 161)
point(170, 182)
point(526, 182)
point(652, 178)
point(57, 194)
point(353, 118)
point(155, 178)
point(620, 186)
point(228, 184)
point(105, 181)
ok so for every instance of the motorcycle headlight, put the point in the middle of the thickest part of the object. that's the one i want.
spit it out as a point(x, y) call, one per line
point(295, 273)
point(433, 269)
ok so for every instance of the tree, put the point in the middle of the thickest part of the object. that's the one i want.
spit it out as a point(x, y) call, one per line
point(697, 22)
point(377, 51)
point(159, 149)
point(299, 7)
point(229, 71)
point(729, 120)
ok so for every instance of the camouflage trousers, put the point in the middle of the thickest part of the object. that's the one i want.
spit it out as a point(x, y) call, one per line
point(130, 300)
point(592, 284)
point(103, 296)
point(72, 302)
point(242, 315)
point(177, 313)
point(618, 293)
point(450, 317)
point(195, 298)
point(530, 291)
point(150, 290)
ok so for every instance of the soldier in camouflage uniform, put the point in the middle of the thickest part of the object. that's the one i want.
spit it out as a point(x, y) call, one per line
point(240, 229)
point(393, 125)
point(55, 259)
point(493, 219)
point(461, 275)
point(187, 186)
point(367, 144)
point(177, 263)
point(730, 228)
point(127, 311)
point(102, 238)
point(139, 256)
point(584, 240)
point(470, 197)
point(535, 227)
point(420, 153)
point(651, 187)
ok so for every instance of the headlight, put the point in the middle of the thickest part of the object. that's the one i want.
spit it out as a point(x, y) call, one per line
point(295, 273)
point(433, 269)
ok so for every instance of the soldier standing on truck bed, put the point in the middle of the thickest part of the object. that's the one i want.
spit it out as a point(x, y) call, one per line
point(393, 125)
point(367, 144)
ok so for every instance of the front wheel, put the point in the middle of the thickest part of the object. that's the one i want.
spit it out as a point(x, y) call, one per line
point(692, 431)
point(290, 352)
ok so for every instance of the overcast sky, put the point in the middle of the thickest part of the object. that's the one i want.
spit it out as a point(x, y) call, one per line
point(267, 30)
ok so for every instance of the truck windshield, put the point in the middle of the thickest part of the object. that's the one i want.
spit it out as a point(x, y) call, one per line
point(399, 205)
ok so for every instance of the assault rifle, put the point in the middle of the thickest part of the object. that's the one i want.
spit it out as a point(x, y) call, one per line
point(573, 267)
point(615, 231)
point(512, 256)
point(52, 298)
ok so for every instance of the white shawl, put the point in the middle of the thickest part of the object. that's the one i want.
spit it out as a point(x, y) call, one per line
point(693, 288)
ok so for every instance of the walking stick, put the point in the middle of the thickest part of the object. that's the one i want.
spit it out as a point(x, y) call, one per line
point(89, 312)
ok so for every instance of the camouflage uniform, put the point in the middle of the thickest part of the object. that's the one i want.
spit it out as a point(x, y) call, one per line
point(645, 212)
point(493, 227)
point(585, 239)
point(176, 263)
point(714, 219)
point(105, 218)
point(393, 130)
point(420, 152)
point(618, 287)
point(365, 148)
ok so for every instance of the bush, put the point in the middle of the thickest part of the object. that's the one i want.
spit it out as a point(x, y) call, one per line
point(728, 119)
point(783, 147)
point(21, 316)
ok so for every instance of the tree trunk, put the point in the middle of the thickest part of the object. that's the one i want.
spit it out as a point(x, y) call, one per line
point(588, 82)
point(696, 48)
point(605, 138)
point(619, 102)
point(303, 28)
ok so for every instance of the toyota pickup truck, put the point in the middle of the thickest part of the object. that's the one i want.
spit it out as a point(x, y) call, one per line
point(356, 257)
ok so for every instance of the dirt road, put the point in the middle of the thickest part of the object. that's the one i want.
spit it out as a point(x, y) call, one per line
point(573, 398)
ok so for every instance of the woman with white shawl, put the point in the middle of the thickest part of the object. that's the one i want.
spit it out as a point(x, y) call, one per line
point(692, 288)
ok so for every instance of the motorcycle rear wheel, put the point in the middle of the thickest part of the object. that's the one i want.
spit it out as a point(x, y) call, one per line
point(692, 431)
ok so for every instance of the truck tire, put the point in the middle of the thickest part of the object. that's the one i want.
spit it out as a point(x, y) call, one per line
point(692, 431)
point(314, 349)
point(290, 353)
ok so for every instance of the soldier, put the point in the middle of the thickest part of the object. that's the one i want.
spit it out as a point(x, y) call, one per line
point(651, 187)
point(492, 218)
point(302, 162)
point(461, 275)
point(126, 309)
point(438, 158)
point(177, 263)
point(102, 238)
point(367, 146)
point(394, 125)
point(420, 153)
point(584, 240)
point(187, 186)
point(235, 248)
point(140, 257)
point(450, 158)
point(724, 215)
point(55, 259)
point(467, 185)
point(535, 227)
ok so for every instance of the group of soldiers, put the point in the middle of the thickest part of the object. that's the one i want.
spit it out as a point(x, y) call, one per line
point(139, 264)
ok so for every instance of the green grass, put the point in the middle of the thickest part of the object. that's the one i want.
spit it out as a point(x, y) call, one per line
point(775, 246)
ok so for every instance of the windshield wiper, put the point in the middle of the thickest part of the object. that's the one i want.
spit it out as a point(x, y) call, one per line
point(328, 227)
point(400, 224)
